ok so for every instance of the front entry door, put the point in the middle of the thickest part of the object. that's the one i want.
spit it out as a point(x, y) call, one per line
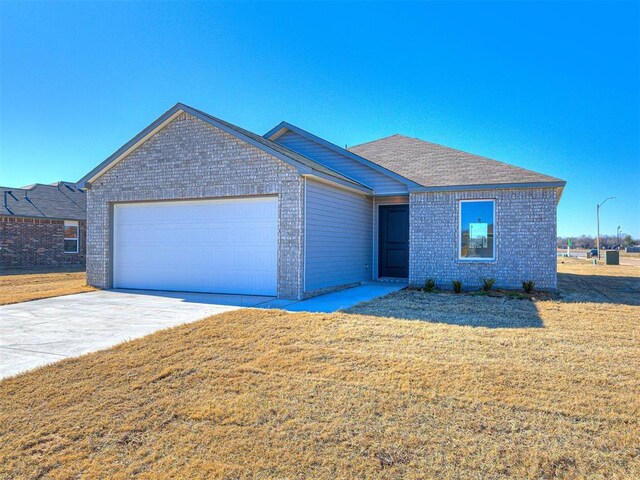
point(393, 241)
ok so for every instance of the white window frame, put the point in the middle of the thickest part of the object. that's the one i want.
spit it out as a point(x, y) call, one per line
point(495, 241)
point(76, 224)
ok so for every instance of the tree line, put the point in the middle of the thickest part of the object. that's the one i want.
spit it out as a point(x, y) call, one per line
point(606, 241)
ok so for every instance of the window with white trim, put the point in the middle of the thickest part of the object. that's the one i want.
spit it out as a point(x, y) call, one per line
point(71, 236)
point(477, 230)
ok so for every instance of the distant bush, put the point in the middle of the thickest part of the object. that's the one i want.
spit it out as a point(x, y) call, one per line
point(429, 285)
point(528, 286)
point(487, 284)
point(457, 286)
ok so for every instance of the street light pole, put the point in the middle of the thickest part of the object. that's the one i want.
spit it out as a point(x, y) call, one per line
point(598, 205)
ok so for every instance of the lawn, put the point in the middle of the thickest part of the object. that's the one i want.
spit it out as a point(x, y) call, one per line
point(21, 286)
point(363, 394)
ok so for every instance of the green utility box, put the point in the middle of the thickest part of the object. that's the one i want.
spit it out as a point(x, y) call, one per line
point(612, 257)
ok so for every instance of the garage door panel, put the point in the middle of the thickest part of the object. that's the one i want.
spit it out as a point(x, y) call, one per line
point(222, 246)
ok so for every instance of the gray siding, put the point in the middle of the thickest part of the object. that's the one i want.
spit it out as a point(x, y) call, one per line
point(380, 183)
point(525, 236)
point(338, 237)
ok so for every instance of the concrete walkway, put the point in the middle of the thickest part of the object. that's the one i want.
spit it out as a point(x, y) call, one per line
point(36, 333)
point(340, 300)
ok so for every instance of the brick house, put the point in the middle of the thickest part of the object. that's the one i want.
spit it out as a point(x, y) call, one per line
point(194, 203)
point(42, 226)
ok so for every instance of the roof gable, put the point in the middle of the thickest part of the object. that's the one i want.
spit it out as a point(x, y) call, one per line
point(303, 164)
point(281, 130)
point(436, 167)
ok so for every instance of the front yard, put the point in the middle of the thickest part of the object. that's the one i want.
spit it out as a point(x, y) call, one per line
point(365, 393)
point(21, 286)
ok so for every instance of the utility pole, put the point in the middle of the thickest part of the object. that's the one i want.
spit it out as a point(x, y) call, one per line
point(618, 236)
point(598, 205)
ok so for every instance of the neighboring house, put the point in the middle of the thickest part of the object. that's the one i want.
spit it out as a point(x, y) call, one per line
point(42, 225)
point(194, 203)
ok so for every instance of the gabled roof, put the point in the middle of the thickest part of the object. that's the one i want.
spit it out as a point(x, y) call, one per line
point(283, 127)
point(303, 164)
point(61, 200)
point(436, 167)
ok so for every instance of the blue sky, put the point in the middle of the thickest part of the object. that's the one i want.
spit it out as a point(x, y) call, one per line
point(553, 87)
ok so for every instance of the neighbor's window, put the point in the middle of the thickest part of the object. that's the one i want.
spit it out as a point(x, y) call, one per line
point(477, 230)
point(71, 236)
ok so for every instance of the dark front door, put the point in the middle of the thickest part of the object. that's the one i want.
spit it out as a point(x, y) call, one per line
point(393, 241)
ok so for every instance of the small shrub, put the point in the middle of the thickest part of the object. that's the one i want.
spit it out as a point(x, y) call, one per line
point(528, 286)
point(457, 286)
point(429, 285)
point(487, 284)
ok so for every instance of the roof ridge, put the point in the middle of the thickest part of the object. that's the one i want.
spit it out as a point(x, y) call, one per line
point(31, 186)
point(377, 140)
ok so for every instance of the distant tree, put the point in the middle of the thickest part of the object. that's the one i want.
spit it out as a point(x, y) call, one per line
point(628, 241)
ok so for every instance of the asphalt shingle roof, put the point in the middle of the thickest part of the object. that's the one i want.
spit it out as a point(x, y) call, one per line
point(433, 165)
point(61, 200)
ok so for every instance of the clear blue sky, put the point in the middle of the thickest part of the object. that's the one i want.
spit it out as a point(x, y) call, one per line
point(553, 87)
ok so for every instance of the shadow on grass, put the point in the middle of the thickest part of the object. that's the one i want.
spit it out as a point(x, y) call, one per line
point(452, 309)
point(599, 289)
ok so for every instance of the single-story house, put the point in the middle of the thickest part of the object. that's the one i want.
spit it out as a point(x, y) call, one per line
point(194, 203)
point(42, 226)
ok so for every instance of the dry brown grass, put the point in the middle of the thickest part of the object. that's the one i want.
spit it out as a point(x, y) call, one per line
point(18, 287)
point(269, 394)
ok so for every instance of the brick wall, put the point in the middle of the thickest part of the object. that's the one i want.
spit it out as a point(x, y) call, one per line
point(525, 238)
point(190, 159)
point(34, 242)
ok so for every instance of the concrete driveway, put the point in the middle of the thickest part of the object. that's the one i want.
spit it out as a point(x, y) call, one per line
point(36, 333)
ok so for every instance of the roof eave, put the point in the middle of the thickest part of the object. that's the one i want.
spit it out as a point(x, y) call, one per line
point(42, 217)
point(277, 131)
point(488, 186)
point(340, 183)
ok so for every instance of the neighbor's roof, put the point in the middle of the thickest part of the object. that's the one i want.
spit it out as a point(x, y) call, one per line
point(437, 167)
point(61, 200)
point(300, 161)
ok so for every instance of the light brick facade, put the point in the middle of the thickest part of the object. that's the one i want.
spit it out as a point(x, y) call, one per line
point(525, 238)
point(190, 159)
point(37, 242)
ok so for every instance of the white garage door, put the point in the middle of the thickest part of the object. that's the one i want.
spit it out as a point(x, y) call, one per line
point(219, 246)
